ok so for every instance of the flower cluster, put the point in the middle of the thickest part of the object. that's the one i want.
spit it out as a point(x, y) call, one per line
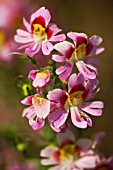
point(61, 94)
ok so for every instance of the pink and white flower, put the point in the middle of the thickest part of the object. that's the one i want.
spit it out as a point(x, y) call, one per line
point(77, 52)
point(70, 155)
point(40, 79)
point(75, 102)
point(39, 33)
point(37, 112)
point(105, 164)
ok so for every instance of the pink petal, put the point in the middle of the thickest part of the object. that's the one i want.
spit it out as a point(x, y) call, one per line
point(33, 49)
point(37, 125)
point(57, 38)
point(27, 100)
point(48, 149)
point(54, 29)
point(58, 58)
point(62, 119)
point(87, 161)
point(57, 96)
point(41, 12)
point(41, 106)
point(32, 74)
point(27, 25)
point(23, 33)
point(76, 80)
point(58, 129)
point(23, 39)
point(93, 108)
point(63, 47)
point(95, 40)
point(64, 71)
point(92, 61)
point(85, 71)
point(47, 47)
point(75, 35)
point(76, 119)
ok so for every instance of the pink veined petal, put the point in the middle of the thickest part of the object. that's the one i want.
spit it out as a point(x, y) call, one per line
point(91, 85)
point(74, 35)
point(57, 96)
point(58, 58)
point(87, 161)
point(27, 100)
point(39, 81)
point(23, 39)
point(47, 47)
point(37, 125)
point(54, 28)
point(57, 38)
point(26, 111)
point(63, 47)
point(55, 115)
point(91, 61)
point(25, 46)
point(32, 74)
point(64, 71)
point(27, 25)
point(62, 119)
point(33, 49)
point(41, 12)
point(76, 80)
point(95, 40)
point(41, 106)
point(99, 50)
point(23, 33)
point(49, 149)
point(58, 129)
point(76, 119)
point(93, 108)
point(85, 71)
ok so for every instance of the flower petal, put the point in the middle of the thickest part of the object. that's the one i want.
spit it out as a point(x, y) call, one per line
point(85, 71)
point(47, 47)
point(76, 119)
point(76, 80)
point(27, 25)
point(41, 106)
point(57, 96)
point(64, 47)
point(27, 100)
point(64, 71)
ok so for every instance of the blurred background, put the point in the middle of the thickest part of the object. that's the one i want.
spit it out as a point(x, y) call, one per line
point(90, 17)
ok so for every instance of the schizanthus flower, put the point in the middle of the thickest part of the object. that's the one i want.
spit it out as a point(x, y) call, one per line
point(76, 53)
point(70, 155)
point(37, 112)
point(75, 102)
point(39, 33)
point(40, 79)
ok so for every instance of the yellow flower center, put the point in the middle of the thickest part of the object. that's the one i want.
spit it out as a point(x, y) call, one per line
point(74, 99)
point(41, 74)
point(67, 152)
point(80, 51)
point(39, 32)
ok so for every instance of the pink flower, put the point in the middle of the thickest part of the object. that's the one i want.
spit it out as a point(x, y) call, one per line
point(70, 155)
point(104, 163)
point(39, 33)
point(75, 102)
point(37, 112)
point(40, 79)
point(76, 53)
